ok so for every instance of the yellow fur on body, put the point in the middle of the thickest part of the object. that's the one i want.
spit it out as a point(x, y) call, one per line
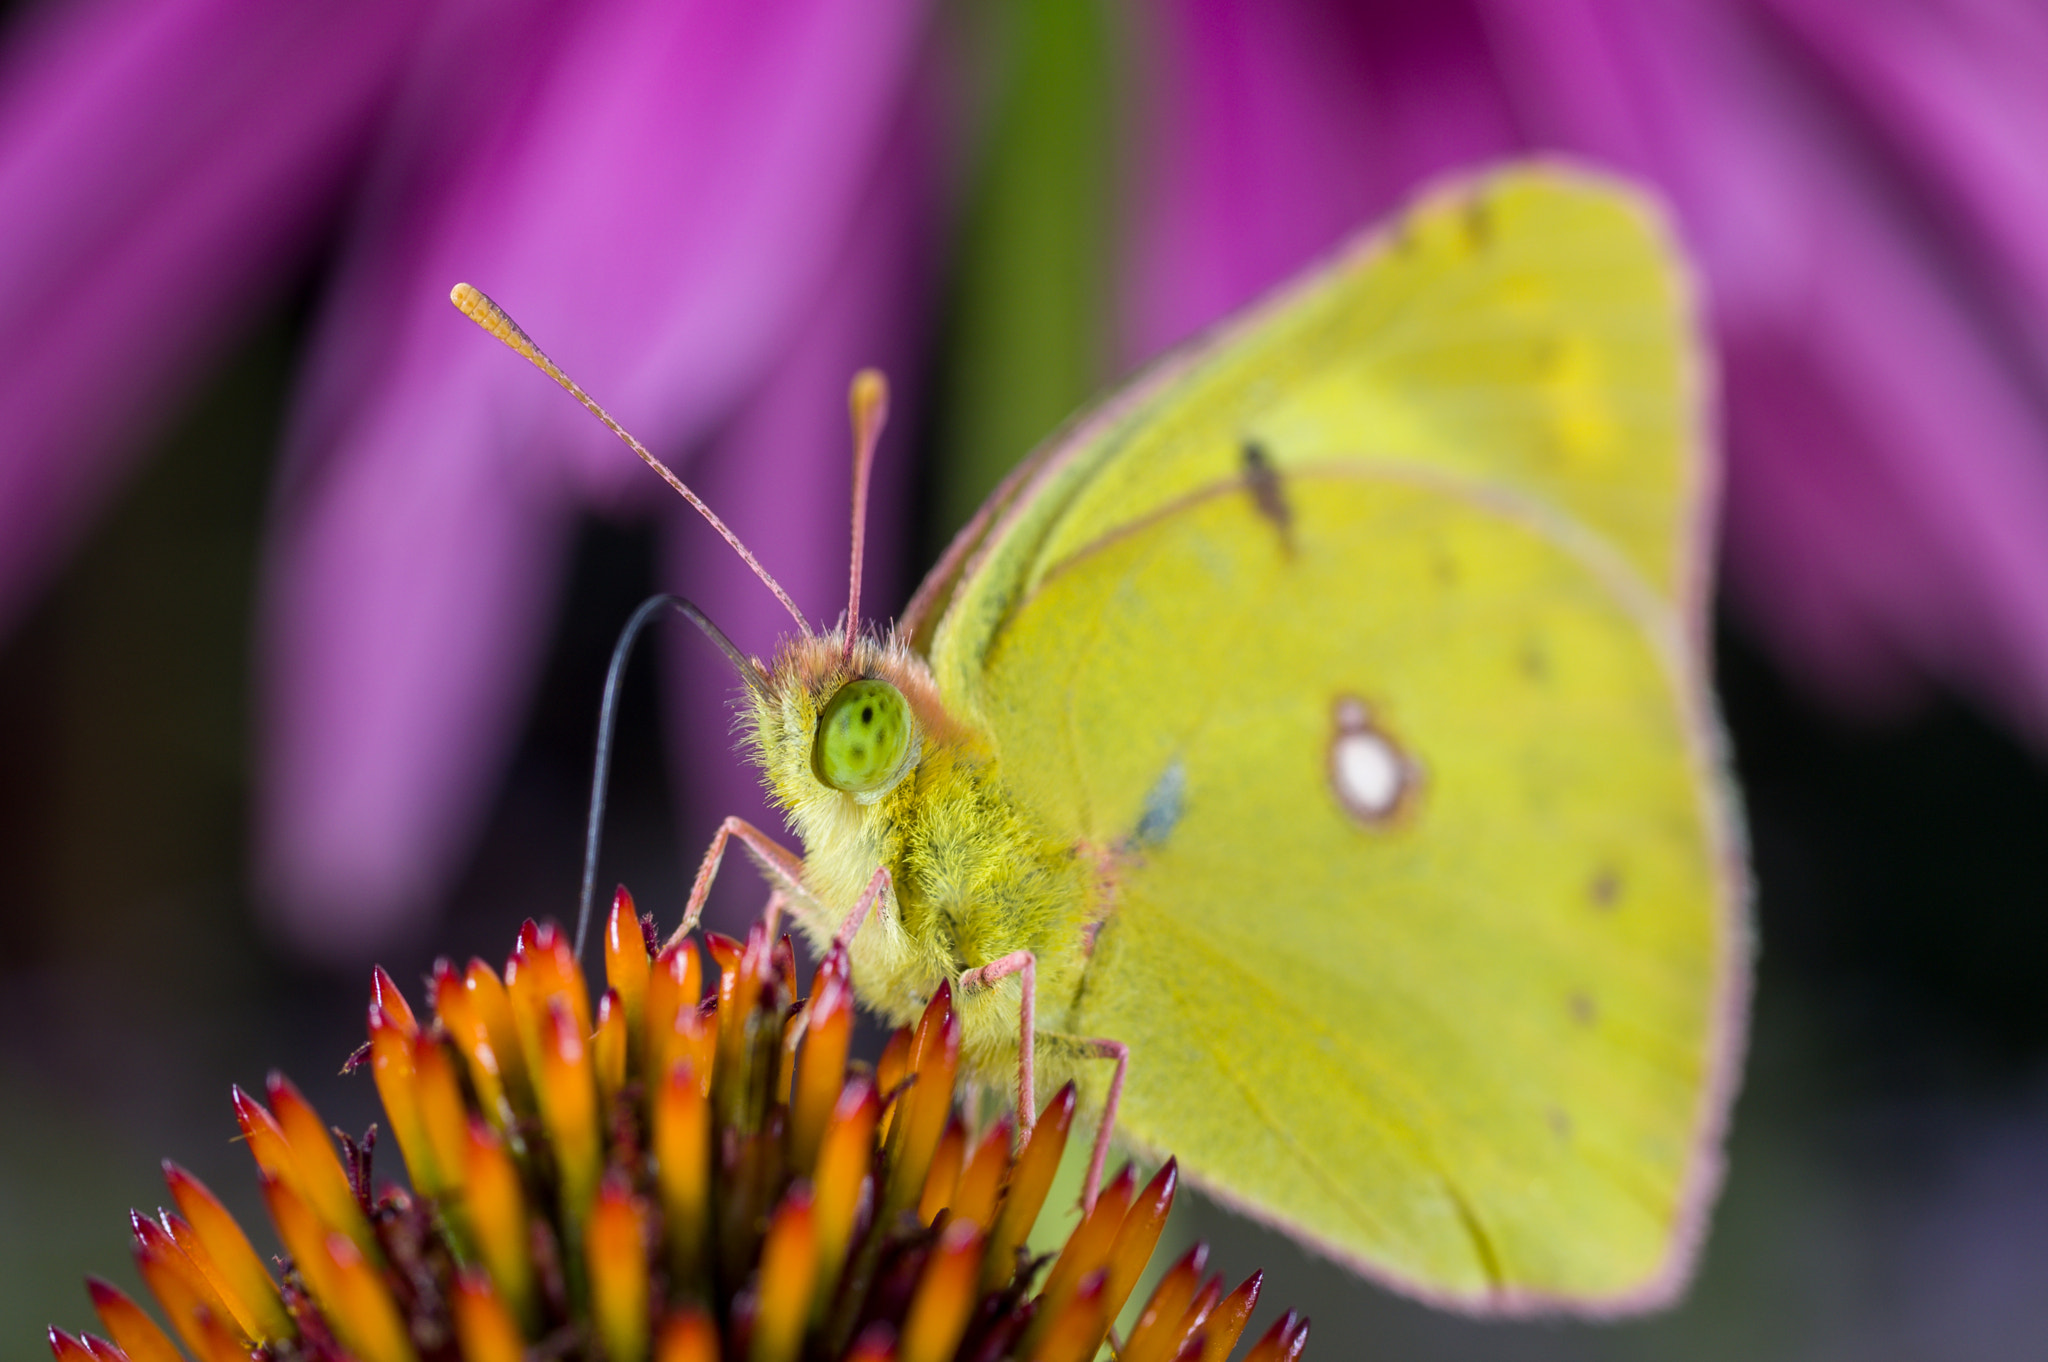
point(974, 878)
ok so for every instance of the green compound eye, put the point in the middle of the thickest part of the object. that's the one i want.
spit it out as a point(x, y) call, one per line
point(864, 738)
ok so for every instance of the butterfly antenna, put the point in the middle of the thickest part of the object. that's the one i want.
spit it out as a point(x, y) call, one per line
point(868, 399)
point(478, 307)
point(608, 722)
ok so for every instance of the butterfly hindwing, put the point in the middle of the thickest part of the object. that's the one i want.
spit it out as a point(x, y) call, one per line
point(1430, 1032)
point(1359, 643)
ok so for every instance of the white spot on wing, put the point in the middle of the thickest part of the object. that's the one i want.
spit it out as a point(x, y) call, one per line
point(1369, 773)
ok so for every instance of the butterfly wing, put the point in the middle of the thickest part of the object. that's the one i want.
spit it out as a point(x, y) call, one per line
point(1362, 641)
point(1531, 330)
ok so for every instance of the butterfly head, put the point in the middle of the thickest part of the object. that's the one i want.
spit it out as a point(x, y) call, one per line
point(827, 730)
point(846, 716)
point(838, 717)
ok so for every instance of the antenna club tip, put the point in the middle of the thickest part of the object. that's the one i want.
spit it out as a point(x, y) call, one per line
point(868, 399)
point(476, 305)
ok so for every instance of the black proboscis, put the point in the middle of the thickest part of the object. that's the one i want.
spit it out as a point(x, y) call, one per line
point(607, 724)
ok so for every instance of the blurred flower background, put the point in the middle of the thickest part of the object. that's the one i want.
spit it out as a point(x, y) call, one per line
point(306, 589)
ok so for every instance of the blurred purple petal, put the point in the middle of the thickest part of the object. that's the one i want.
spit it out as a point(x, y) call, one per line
point(1269, 131)
point(1954, 93)
point(1859, 185)
point(782, 476)
point(1888, 479)
point(408, 611)
point(163, 163)
point(718, 154)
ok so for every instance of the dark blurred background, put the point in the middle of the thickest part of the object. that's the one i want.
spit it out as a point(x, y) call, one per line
point(1888, 1186)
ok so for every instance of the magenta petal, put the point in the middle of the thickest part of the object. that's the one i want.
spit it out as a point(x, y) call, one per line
point(162, 163)
point(651, 188)
point(782, 477)
point(1572, 79)
point(655, 190)
point(409, 598)
point(1267, 132)
point(1888, 490)
point(1954, 94)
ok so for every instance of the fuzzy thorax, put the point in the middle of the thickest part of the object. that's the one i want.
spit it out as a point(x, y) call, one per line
point(976, 876)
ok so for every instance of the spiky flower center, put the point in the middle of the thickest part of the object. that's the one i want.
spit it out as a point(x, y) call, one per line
point(696, 1171)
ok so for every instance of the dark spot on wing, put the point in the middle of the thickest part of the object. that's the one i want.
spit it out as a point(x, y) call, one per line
point(1560, 1122)
point(1262, 480)
point(1605, 889)
point(1164, 804)
point(1479, 222)
point(1535, 660)
point(1583, 1009)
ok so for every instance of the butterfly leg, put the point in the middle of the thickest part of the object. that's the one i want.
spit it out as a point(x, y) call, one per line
point(1025, 964)
point(1121, 1053)
point(1099, 1049)
point(780, 863)
point(879, 884)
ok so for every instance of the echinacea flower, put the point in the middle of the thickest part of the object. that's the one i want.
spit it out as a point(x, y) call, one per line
point(665, 1176)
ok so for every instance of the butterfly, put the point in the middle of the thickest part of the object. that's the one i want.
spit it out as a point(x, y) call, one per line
point(1310, 752)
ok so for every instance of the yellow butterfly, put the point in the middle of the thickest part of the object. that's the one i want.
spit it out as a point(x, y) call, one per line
point(1309, 751)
